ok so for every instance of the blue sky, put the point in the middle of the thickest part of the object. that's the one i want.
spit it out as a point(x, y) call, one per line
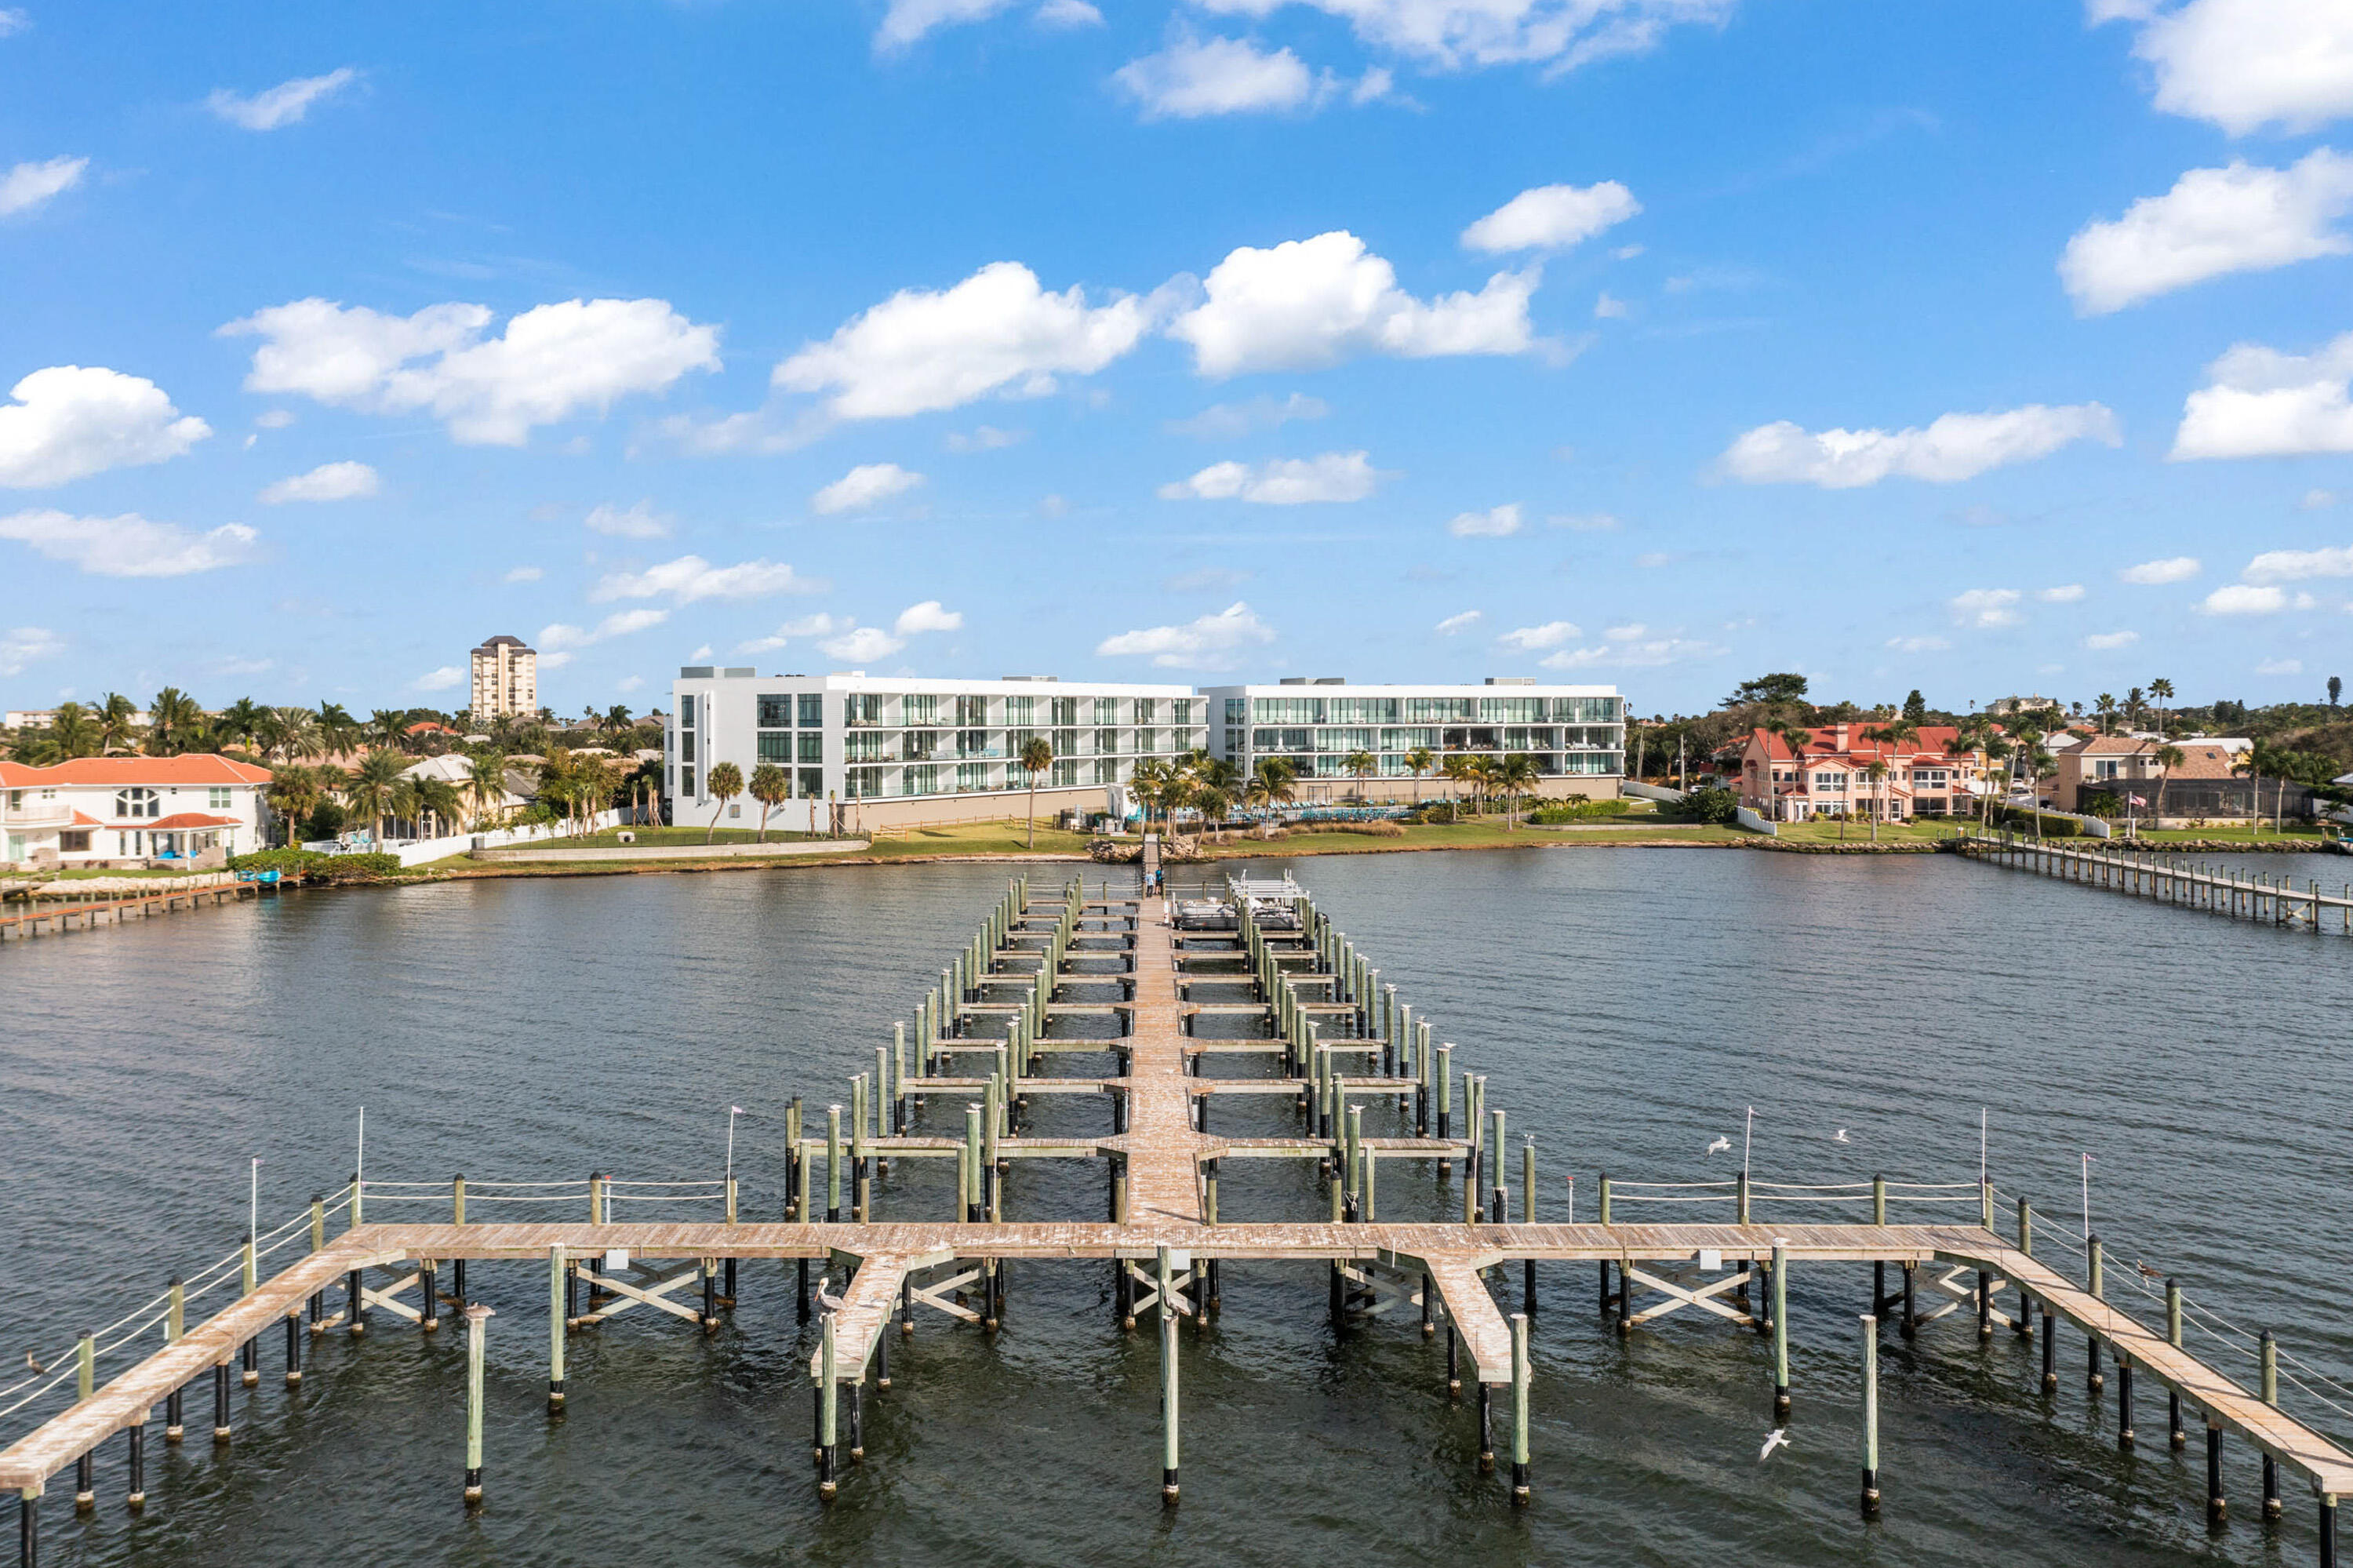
point(1655, 341)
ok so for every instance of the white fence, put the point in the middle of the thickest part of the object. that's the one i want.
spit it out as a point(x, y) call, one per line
point(418, 851)
point(1754, 823)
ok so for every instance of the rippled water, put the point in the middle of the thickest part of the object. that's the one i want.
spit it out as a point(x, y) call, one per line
point(1628, 1005)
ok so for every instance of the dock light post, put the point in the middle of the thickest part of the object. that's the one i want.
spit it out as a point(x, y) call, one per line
point(477, 1315)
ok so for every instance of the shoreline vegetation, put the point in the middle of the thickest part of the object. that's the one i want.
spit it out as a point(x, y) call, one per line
point(1009, 840)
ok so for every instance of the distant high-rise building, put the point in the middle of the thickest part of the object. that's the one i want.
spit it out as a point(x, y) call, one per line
point(506, 680)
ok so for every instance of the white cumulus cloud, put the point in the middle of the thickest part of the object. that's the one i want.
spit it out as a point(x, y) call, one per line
point(801, 627)
point(905, 21)
point(523, 575)
point(1462, 622)
point(23, 645)
point(1648, 653)
point(1552, 218)
point(1282, 481)
point(1260, 413)
point(928, 616)
point(1495, 523)
point(638, 522)
point(2066, 593)
point(564, 640)
point(1919, 644)
point(1068, 13)
point(860, 643)
point(1193, 78)
point(1207, 643)
point(14, 21)
point(1310, 302)
point(2244, 598)
point(552, 363)
point(2296, 565)
point(1952, 448)
point(70, 420)
point(2259, 402)
point(2246, 64)
point(998, 331)
point(2241, 218)
point(1534, 639)
point(447, 678)
point(867, 485)
point(1451, 34)
point(328, 482)
point(129, 545)
point(1985, 607)
point(2280, 667)
point(28, 186)
point(2154, 574)
point(691, 577)
point(281, 105)
point(2109, 642)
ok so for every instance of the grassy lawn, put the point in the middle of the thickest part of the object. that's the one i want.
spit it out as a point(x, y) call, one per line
point(979, 838)
point(1926, 830)
point(2232, 833)
point(81, 873)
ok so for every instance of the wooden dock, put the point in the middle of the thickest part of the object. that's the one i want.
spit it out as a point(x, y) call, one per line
point(20, 921)
point(2241, 895)
point(1161, 1233)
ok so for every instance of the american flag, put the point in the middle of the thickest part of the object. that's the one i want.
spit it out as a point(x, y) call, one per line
point(2137, 801)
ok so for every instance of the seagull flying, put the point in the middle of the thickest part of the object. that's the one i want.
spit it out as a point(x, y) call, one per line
point(1719, 1146)
point(1777, 1438)
point(1839, 1136)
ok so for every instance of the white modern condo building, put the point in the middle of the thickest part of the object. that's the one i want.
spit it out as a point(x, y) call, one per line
point(1329, 729)
point(880, 750)
point(873, 751)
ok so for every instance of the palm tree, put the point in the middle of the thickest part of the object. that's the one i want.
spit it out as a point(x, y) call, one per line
point(1482, 782)
point(338, 731)
point(1150, 779)
point(387, 728)
point(1456, 771)
point(438, 798)
point(1518, 775)
point(1997, 749)
point(172, 721)
point(1419, 762)
point(2161, 690)
point(2168, 757)
point(725, 783)
point(1037, 755)
point(617, 719)
point(772, 788)
point(2106, 706)
point(293, 793)
point(2133, 699)
point(77, 731)
point(1214, 802)
point(1275, 782)
point(1876, 771)
point(1797, 737)
point(1177, 791)
point(239, 720)
point(290, 734)
point(486, 784)
point(115, 727)
point(1361, 766)
point(371, 787)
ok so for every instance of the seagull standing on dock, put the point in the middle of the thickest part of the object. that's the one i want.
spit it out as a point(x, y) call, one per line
point(1777, 1438)
point(34, 1361)
point(1719, 1146)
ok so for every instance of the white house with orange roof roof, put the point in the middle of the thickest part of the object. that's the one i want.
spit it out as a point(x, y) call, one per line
point(116, 811)
point(1926, 774)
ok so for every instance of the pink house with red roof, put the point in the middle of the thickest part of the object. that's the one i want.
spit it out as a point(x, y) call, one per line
point(1931, 774)
point(106, 810)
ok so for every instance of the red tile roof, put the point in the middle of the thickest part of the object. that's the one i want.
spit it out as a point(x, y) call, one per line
point(84, 820)
point(124, 772)
point(190, 819)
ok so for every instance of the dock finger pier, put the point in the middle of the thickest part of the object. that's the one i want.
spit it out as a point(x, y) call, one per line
point(1235, 1022)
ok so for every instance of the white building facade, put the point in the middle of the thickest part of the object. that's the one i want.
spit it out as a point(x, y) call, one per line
point(505, 680)
point(863, 751)
point(106, 810)
point(1576, 735)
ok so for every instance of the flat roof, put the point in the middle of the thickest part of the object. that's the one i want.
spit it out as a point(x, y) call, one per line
point(1350, 688)
point(1016, 686)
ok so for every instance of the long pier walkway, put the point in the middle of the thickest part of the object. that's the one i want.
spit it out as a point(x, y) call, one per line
point(2243, 895)
point(1340, 1049)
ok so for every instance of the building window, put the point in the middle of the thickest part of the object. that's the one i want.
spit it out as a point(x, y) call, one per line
point(217, 800)
point(812, 706)
point(972, 711)
point(776, 711)
point(1147, 742)
point(1065, 709)
point(861, 783)
point(867, 745)
point(777, 747)
point(138, 801)
point(1066, 741)
point(1147, 711)
point(686, 782)
point(1021, 711)
point(812, 784)
point(862, 708)
point(972, 778)
point(686, 712)
point(1107, 770)
point(686, 746)
point(1066, 774)
point(73, 842)
point(918, 711)
point(922, 780)
point(1106, 741)
point(812, 746)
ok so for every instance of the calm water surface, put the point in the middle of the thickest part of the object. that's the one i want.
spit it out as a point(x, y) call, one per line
point(1627, 1003)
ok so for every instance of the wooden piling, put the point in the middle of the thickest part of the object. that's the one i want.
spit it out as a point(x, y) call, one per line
point(1520, 1377)
point(1869, 1416)
point(557, 1291)
point(1168, 1407)
point(1780, 1309)
point(477, 1319)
